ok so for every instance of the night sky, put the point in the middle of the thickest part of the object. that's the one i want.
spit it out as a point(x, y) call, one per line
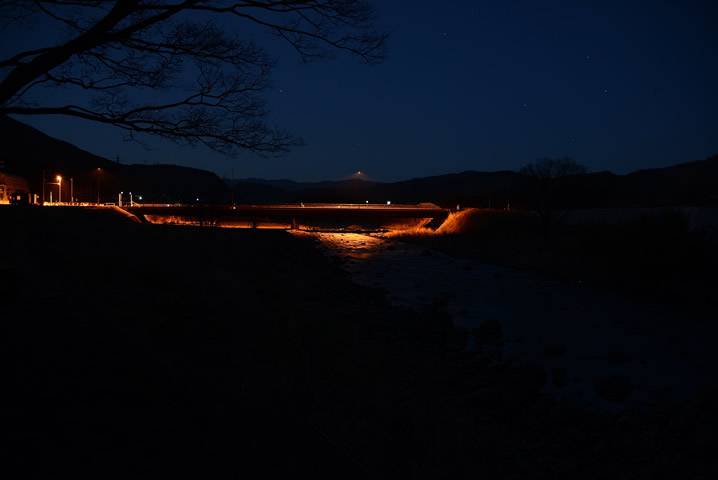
point(618, 86)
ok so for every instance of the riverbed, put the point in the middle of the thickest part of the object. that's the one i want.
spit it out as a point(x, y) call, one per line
point(585, 339)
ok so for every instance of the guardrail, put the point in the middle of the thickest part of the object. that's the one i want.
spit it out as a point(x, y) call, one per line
point(298, 206)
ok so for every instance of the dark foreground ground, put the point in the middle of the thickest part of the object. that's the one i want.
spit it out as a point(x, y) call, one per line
point(153, 350)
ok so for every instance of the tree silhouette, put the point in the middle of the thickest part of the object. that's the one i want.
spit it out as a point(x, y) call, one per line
point(553, 193)
point(176, 69)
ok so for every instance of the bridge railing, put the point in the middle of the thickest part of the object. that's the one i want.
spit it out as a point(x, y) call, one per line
point(292, 206)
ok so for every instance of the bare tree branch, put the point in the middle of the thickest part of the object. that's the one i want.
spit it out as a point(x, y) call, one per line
point(168, 69)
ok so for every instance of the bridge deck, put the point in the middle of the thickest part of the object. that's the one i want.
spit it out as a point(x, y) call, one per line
point(294, 210)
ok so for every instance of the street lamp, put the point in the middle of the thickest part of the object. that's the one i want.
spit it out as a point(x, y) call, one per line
point(59, 189)
point(98, 185)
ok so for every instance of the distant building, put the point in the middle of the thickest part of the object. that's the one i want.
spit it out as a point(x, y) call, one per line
point(11, 184)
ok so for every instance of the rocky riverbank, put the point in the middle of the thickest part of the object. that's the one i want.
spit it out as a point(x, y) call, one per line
point(600, 351)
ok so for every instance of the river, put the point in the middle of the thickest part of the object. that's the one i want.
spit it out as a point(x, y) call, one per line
point(579, 335)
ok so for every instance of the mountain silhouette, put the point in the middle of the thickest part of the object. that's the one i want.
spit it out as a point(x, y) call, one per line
point(29, 152)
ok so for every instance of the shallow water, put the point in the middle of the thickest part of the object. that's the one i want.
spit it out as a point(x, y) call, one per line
point(577, 334)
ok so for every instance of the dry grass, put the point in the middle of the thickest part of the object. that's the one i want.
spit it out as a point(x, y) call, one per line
point(461, 222)
point(472, 221)
point(224, 223)
point(411, 232)
point(171, 220)
point(456, 222)
point(407, 224)
point(657, 258)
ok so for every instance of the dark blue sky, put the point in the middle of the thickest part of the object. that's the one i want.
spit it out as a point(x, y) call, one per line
point(618, 86)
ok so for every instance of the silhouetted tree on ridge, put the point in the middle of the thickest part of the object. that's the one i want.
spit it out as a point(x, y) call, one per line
point(553, 194)
point(175, 69)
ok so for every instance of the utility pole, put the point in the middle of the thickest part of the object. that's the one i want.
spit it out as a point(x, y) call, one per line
point(72, 190)
point(232, 186)
point(43, 187)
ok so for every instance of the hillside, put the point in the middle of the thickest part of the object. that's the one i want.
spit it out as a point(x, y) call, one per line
point(685, 184)
point(29, 152)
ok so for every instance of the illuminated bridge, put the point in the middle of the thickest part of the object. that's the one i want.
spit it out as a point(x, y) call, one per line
point(294, 212)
